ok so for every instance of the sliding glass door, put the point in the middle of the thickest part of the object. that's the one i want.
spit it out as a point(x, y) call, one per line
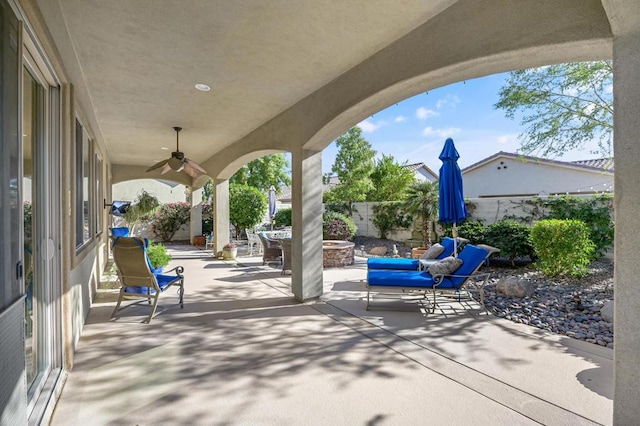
point(40, 212)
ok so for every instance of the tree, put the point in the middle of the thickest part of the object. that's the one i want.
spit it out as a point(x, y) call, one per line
point(264, 172)
point(247, 207)
point(564, 106)
point(353, 166)
point(422, 200)
point(260, 173)
point(390, 180)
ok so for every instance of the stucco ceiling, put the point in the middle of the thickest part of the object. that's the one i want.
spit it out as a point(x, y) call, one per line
point(141, 59)
point(285, 64)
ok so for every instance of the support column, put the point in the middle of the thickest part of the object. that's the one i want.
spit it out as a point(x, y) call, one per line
point(220, 215)
point(306, 218)
point(195, 222)
point(626, 91)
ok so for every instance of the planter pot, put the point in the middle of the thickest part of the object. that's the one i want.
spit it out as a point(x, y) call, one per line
point(418, 252)
point(229, 254)
point(199, 240)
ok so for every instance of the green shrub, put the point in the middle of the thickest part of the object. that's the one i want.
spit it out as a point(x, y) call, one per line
point(282, 218)
point(473, 230)
point(512, 238)
point(158, 255)
point(595, 212)
point(169, 218)
point(247, 207)
point(337, 226)
point(562, 246)
point(388, 216)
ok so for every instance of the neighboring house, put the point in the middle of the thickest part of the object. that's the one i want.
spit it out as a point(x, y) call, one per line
point(512, 175)
point(166, 191)
point(422, 172)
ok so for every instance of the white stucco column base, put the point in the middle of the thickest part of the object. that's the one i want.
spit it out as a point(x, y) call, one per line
point(626, 77)
point(220, 215)
point(306, 218)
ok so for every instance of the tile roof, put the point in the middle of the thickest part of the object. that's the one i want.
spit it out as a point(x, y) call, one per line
point(603, 164)
point(599, 163)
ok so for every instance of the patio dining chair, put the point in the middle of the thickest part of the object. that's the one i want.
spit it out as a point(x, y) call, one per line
point(253, 242)
point(271, 249)
point(138, 281)
point(286, 255)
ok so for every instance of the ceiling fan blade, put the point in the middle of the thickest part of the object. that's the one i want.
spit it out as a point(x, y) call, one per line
point(192, 168)
point(158, 165)
point(165, 169)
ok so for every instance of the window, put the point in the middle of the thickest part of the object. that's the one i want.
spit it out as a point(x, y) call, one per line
point(99, 207)
point(85, 192)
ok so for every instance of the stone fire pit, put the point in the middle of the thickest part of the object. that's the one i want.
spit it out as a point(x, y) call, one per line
point(337, 253)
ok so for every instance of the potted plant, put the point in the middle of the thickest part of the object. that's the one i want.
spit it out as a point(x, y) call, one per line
point(141, 210)
point(230, 251)
point(422, 200)
point(158, 257)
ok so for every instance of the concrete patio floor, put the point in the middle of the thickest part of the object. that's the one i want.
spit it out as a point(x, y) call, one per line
point(243, 351)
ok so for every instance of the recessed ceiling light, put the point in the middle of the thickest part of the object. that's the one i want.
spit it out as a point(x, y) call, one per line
point(165, 148)
point(202, 87)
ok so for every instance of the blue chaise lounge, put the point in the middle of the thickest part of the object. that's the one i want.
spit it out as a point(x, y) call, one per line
point(423, 282)
point(403, 264)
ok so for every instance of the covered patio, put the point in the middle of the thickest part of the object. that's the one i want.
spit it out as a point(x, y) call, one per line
point(91, 91)
point(243, 351)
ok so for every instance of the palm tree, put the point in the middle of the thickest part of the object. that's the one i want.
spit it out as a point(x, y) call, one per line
point(422, 200)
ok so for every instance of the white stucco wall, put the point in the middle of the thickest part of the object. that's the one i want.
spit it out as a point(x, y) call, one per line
point(506, 176)
point(165, 192)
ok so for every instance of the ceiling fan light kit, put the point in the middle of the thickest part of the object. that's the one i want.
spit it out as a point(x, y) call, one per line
point(178, 162)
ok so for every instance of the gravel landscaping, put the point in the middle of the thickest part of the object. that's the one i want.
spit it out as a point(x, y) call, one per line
point(566, 306)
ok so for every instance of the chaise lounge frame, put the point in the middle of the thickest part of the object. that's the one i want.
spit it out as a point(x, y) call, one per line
point(416, 283)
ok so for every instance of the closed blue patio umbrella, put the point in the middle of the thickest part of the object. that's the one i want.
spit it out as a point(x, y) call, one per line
point(273, 209)
point(451, 197)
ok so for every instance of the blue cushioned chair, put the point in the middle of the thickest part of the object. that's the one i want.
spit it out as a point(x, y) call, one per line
point(121, 231)
point(417, 282)
point(137, 276)
point(408, 264)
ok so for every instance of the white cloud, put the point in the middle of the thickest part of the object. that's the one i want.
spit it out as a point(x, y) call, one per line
point(423, 113)
point(608, 89)
point(443, 133)
point(400, 119)
point(449, 100)
point(508, 139)
point(368, 126)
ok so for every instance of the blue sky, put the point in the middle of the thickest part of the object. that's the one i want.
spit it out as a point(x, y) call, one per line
point(415, 129)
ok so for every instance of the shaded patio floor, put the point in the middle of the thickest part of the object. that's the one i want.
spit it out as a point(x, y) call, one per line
point(243, 351)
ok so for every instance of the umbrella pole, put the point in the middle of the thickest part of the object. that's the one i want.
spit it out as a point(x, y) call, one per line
point(454, 234)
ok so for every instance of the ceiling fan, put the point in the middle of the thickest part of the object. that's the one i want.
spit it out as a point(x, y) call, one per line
point(178, 161)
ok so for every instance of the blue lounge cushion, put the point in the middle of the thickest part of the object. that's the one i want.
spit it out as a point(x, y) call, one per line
point(395, 278)
point(121, 231)
point(471, 256)
point(407, 264)
point(392, 263)
point(163, 282)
